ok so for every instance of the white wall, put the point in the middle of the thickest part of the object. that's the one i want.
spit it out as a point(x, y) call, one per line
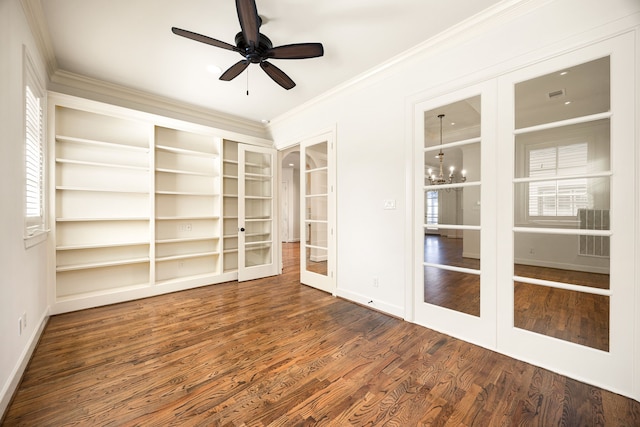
point(23, 282)
point(373, 118)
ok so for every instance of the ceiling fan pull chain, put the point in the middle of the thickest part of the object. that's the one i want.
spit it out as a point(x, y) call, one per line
point(247, 82)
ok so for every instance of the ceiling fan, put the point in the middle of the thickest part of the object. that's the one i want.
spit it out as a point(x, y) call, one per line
point(255, 47)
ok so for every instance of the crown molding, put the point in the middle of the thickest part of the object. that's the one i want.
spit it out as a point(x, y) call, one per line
point(38, 25)
point(468, 29)
point(111, 93)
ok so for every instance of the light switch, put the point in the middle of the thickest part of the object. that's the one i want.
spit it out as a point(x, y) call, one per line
point(390, 204)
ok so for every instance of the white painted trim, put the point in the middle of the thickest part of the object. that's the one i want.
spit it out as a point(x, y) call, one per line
point(10, 387)
point(37, 23)
point(100, 107)
point(64, 305)
point(110, 93)
point(562, 265)
point(393, 310)
point(466, 30)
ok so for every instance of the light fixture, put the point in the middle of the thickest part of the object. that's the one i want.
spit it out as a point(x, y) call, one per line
point(214, 69)
point(441, 179)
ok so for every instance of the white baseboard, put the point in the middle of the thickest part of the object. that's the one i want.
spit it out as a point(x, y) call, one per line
point(12, 383)
point(562, 266)
point(393, 310)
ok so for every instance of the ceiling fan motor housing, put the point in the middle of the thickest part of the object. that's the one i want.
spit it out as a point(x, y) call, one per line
point(258, 54)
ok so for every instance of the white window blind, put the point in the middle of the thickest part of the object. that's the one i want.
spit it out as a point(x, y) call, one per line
point(558, 198)
point(34, 152)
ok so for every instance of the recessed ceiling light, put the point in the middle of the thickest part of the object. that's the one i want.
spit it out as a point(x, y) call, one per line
point(453, 123)
point(564, 73)
point(567, 102)
point(214, 69)
point(291, 164)
point(265, 121)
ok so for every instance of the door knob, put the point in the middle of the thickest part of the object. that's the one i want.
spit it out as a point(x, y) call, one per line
point(242, 229)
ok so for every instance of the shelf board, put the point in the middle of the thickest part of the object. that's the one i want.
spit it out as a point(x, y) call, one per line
point(186, 193)
point(230, 176)
point(176, 279)
point(87, 266)
point(100, 164)
point(186, 239)
point(182, 218)
point(101, 190)
point(133, 218)
point(186, 172)
point(230, 195)
point(258, 218)
point(257, 177)
point(263, 242)
point(65, 138)
point(230, 251)
point(186, 151)
point(186, 256)
point(100, 245)
point(258, 197)
point(230, 236)
point(231, 162)
point(320, 169)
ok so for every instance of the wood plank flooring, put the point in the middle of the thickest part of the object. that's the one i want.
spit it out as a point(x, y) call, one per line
point(278, 353)
point(569, 315)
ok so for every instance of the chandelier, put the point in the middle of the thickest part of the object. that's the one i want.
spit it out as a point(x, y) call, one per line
point(441, 179)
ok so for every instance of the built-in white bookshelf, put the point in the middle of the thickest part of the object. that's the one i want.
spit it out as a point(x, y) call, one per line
point(187, 205)
point(102, 205)
point(141, 204)
point(230, 205)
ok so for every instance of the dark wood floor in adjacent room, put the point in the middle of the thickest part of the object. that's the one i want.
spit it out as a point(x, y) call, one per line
point(275, 352)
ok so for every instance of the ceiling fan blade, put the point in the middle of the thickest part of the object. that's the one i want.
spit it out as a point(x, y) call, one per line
point(235, 70)
point(277, 75)
point(249, 21)
point(296, 51)
point(203, 39)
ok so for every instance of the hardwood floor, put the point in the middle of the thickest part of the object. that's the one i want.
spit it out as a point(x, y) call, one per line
point(569, 315)
point(275, 352)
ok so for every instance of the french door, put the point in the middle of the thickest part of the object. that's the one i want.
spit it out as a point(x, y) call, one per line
point(256, 239)
point(567, 193)
point(531, 250)
point(317, 207)
point(455, 214)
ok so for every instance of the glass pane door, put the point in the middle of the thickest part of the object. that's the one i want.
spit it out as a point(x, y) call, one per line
point(564, 280)
point(256, 256)
point(454, 284)
point(317, 226)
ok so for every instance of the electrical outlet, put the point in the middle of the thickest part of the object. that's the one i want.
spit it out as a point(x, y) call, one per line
point(375, 282)
point(20, 325)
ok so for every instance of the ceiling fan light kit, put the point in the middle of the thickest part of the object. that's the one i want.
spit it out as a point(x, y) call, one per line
point(255, 47)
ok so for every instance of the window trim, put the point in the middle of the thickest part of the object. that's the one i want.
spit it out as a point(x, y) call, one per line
point(35, 228)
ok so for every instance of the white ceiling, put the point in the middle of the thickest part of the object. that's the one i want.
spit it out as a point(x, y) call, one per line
point(130, 43)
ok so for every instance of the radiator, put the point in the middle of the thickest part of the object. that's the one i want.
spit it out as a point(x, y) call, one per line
point(594, 219)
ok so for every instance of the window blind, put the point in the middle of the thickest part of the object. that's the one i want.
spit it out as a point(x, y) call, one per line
point(558, 198)
point(34, 161)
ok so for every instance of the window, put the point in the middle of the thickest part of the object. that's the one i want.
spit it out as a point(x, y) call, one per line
point(558, 198)
point(432, 208)
point(34, 140)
